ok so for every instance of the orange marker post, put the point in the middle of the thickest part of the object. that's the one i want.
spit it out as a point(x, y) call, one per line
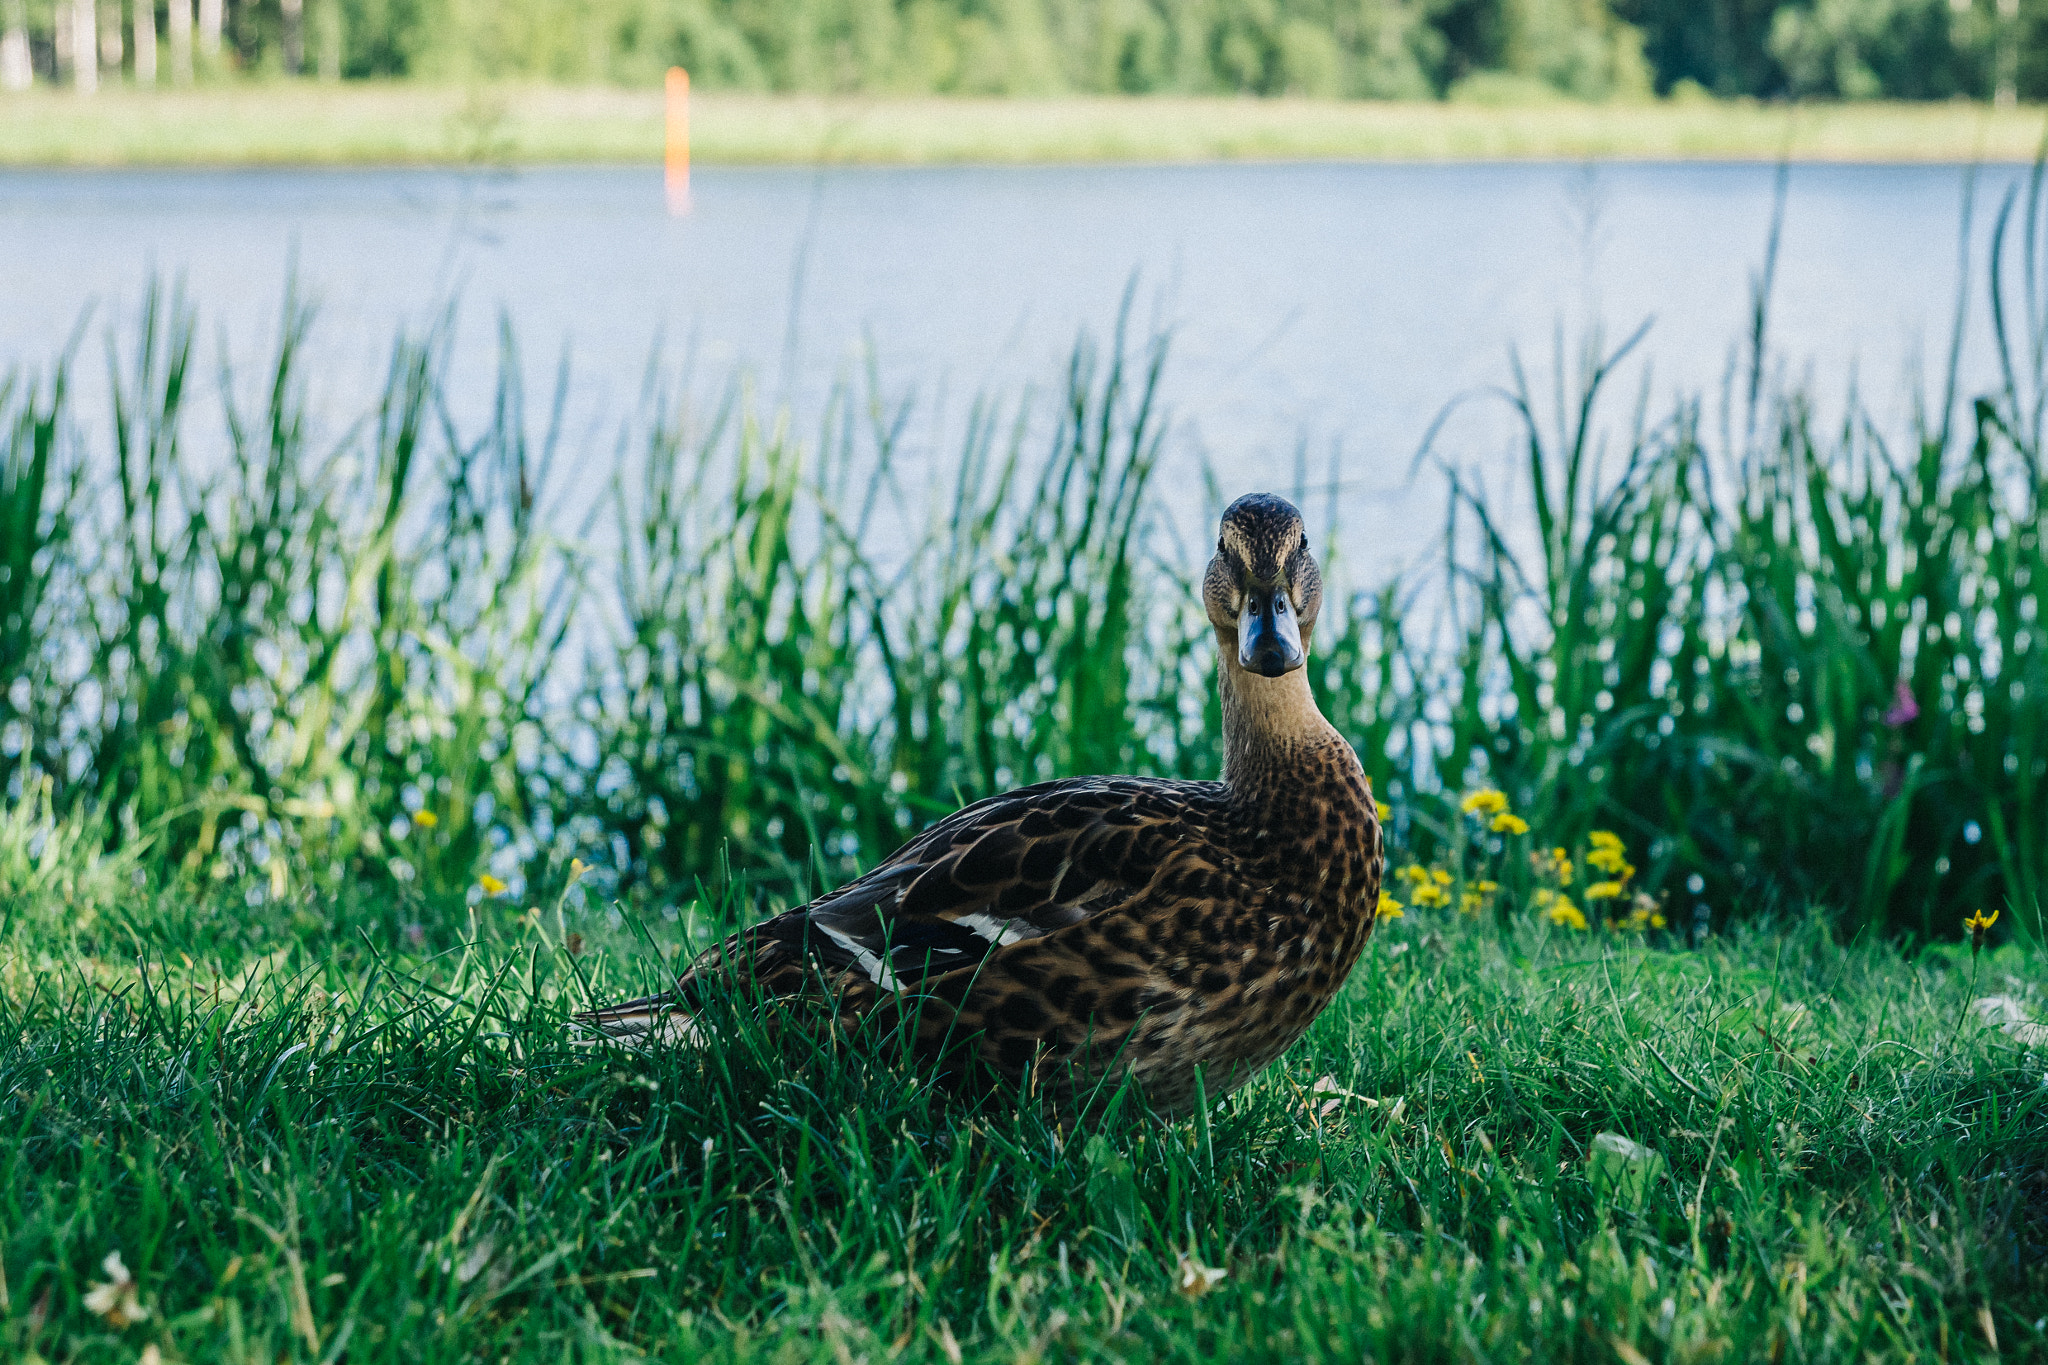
point(676, 163)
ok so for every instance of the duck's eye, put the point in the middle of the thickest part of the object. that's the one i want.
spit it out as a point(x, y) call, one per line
point(1304, 540)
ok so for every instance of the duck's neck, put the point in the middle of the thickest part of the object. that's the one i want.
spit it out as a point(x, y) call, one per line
point(1271, 727)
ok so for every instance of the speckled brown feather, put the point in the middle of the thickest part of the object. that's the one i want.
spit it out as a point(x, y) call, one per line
point(1100, 926)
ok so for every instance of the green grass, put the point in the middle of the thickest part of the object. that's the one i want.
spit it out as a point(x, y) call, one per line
point(314, 124)
point(351, 1127)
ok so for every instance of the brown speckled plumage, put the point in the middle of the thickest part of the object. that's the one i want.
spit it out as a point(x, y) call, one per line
point(1099, 925)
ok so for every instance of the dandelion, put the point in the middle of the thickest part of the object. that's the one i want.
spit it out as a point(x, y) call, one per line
point(1440, 876)
point(1509, 823)
point(1604, 891)
point(1429, 893)
point(1485, 801)
point(1560, 866)
point(425, 819)
point(1977, 924)
point(577, 867)
point(1604, 839)
point(1612, 862)
point(1389, 907)
point(1562, 912)
point(491, 885)
point(1385, 811)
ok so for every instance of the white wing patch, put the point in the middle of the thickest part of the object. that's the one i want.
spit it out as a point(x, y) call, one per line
point(998, 931)
point(878, 971)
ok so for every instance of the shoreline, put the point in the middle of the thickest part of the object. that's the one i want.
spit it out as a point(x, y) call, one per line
point(308, 126)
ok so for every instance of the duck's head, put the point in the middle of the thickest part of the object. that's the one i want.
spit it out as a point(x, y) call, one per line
point(1263, 589)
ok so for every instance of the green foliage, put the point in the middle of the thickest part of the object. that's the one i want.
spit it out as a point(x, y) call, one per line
point(1492, 50)
point(1801, 662)
point(353, 1126)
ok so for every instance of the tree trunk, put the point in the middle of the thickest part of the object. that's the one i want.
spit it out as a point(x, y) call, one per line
point(16, 72)
point(210, 18)
point(85, 42)
point(293, 37)
point(178, 27)
point(145, 42)
point(110, 38)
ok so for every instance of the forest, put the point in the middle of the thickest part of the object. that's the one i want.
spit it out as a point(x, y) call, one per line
point(1503, 51)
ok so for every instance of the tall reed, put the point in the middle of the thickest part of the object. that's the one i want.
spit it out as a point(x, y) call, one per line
point(1791, 660)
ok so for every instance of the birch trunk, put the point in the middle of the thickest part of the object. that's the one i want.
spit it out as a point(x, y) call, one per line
point(178, 28)
point(110, 38)
point(293, 37)
point(145, 42)
point(85, 42)
point(16, 72)
point(210, 22)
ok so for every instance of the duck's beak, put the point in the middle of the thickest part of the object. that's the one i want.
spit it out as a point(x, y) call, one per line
point(1268, 636)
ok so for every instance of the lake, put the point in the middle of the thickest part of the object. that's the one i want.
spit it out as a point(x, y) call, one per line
point(1321, 314)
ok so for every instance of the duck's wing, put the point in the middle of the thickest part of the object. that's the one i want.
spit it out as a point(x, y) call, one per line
point(1010, 868)
point(1013, 867)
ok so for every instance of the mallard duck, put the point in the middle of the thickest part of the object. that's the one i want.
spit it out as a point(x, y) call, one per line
point(1181, 933)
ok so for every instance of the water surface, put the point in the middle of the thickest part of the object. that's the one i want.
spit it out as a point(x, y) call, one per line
point(1321, 315)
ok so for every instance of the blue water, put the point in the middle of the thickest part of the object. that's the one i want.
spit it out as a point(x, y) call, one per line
point(1321, 315)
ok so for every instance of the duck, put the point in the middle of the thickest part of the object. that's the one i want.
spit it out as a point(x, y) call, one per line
point(1077, 934)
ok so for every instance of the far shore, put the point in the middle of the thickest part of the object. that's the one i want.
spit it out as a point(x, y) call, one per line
point(333, 125)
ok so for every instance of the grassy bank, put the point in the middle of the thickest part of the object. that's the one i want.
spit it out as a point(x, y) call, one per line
point(349, 1127)
point(403, 124)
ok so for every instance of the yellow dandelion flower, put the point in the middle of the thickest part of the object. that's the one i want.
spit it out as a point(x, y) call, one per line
point(425, 819)
point(1656, 921)
point(1605, 891)
point(1486, 888)
point(1385, 811)
point(1509, 823)
point(1563, 912)
point(577, 867)
point(1439, 876)
point(491, 885)
point(1604, 839)
point(1471, 903)
point(1544, 895)
point(1389, 907)
point(1561, 866)
point(1977, 924)
point(1413, 873)
point(1485, 801)
point(1610, 861)
point(1429, 893)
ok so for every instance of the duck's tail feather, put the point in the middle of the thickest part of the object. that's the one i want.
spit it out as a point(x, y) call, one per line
point(652, 1021)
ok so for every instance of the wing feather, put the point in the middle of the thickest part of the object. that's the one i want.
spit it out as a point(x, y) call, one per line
point(998, 872)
